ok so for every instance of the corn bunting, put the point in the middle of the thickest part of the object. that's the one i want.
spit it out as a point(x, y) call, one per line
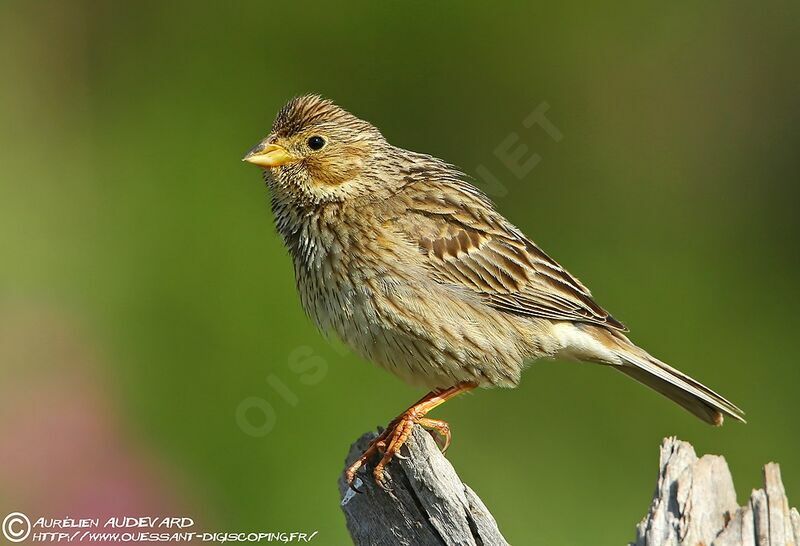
point(414, 269)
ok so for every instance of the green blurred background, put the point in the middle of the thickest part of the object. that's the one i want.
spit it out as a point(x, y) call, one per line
point(155, 355)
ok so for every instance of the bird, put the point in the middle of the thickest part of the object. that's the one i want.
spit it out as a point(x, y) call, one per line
point(413, 267)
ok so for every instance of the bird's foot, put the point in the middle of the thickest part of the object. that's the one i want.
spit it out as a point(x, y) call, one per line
point(375, 446)
point(389, 442)
point(440, 431)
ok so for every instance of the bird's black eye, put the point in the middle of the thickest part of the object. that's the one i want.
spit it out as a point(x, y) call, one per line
point(316, 142)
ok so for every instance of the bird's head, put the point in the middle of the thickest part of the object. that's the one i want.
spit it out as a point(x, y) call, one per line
point(317, 152)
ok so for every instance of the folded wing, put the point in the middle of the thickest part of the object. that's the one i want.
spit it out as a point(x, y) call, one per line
point(467, 243)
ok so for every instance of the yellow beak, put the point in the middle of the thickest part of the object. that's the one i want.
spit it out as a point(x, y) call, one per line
point(269, 155)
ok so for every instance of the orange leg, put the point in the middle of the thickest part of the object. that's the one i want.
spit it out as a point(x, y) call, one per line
point(392, 439)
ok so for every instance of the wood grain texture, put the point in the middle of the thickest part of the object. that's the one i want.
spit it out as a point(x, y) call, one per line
point(427, 503)
point(695, 504)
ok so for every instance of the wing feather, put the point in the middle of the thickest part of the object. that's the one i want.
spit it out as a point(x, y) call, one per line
point(467, 243)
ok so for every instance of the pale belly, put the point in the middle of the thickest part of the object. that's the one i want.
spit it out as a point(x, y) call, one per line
point(424, 333)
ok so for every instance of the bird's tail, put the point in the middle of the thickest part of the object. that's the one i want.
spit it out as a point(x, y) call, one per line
point(675, 385)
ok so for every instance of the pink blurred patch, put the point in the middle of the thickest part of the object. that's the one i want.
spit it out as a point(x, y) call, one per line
point(64, 449)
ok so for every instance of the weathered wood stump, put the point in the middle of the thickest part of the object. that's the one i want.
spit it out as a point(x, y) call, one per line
point(427, 503)
point(694, 503)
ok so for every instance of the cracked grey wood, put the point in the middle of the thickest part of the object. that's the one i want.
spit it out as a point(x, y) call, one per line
point(695, 504)
point(427, 503)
